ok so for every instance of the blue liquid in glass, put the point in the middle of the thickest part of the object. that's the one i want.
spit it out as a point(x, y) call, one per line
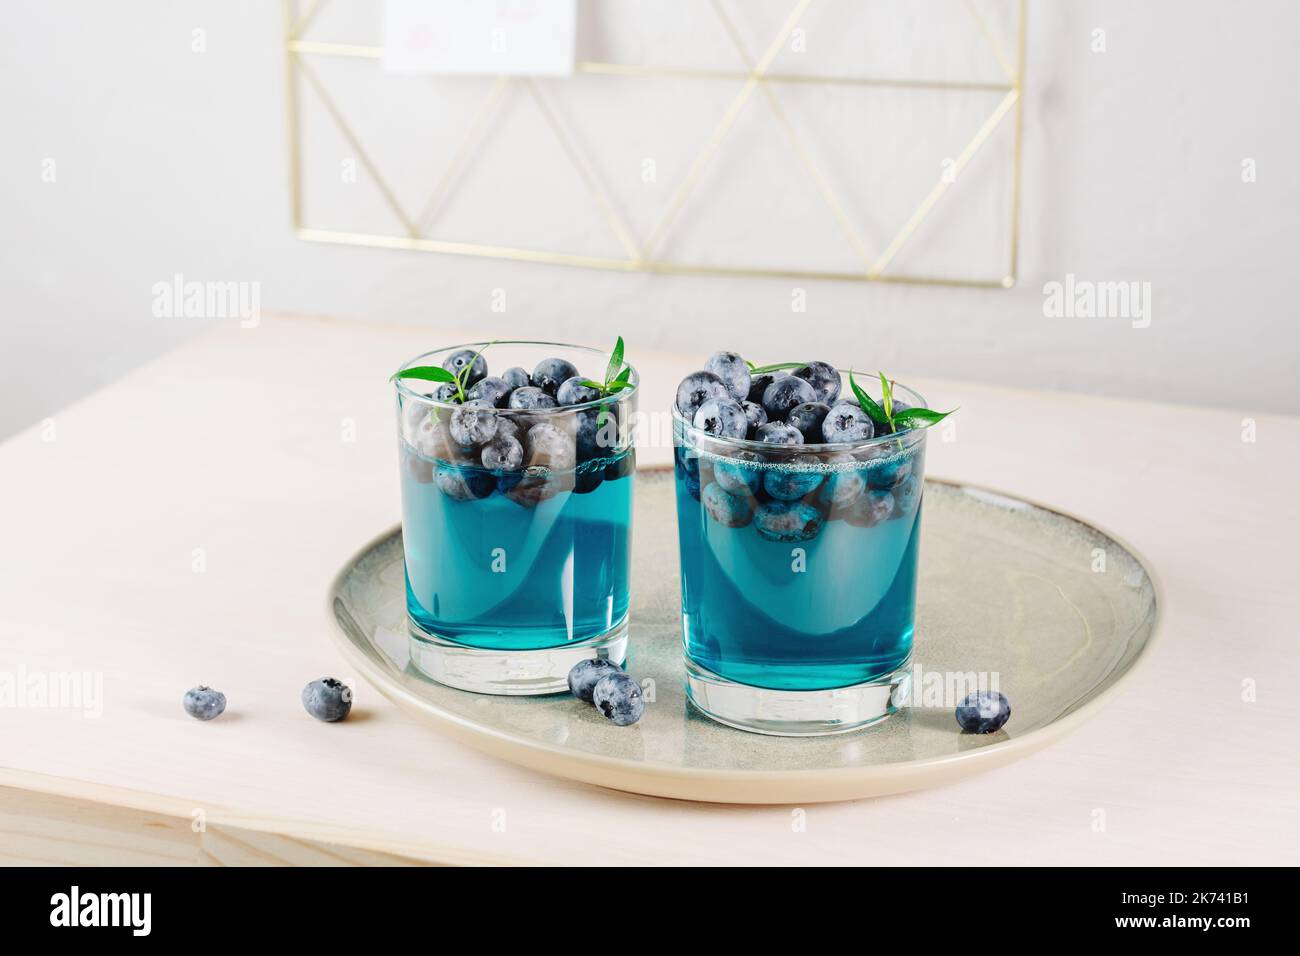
point(491, 572)
point(751, 616)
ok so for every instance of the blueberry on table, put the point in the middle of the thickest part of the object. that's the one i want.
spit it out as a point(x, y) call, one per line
point(456, 362)
point(737, 473)
point(204, 703)
point(726, 508)
point(462, 483)
point(983, 712)
point(573, 392)
point(824, 378)
point(846, 422)
point(754, 416)
point(778, 433)
point(696, 389)
point(789, 521)
point(551, 373)
point(516, 377)
point(472, 425)
point(618, 697)
point(791, 483)
point(327, 699)
point(722, 418)
point(584, 675)
point(784, 394)
point(733, 372)
point(530, 396)
point(808, 418)
point(493, 390)
point(502, 453)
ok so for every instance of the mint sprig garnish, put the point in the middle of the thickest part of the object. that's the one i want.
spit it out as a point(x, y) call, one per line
point(775, 367)
point(618, 376)
point(436, 373)
point(882, 413)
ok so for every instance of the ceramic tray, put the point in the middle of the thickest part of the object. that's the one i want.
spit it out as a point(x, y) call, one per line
point(1006, 587)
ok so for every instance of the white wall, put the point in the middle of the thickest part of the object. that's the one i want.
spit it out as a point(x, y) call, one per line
point(168, 161)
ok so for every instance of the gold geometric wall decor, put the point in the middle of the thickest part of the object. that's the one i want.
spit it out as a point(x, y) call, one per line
point(644, 253)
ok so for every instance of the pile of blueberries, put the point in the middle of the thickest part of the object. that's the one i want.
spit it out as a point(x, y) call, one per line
point(609, 688)
point(791, 491)
point(510, 434)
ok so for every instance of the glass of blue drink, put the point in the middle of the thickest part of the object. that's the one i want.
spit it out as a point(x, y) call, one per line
point(516, 514)
point(798, 566)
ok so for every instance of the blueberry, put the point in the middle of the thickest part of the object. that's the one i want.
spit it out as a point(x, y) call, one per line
point(727, 509)
point(890, 469)
point(722, 418)
point(622, 466)
point(908, 494)
point(536, 485)
point(587, 480)
point(784, 394)
point(456, 362)
point(847, 423)
point(446, 392)
point(983, 712)
point(551, 373)
point(327, 699)
point(548, 446)
point(754, 416)
point(824, 379)
point(462, 483)
point(530, 396)
point(758, 385)
point(737, 474)
point(844, 486)
point(787, 521)
point(733, 372)
point(431, 440)
point(790, 484)
point(204, 703)
point(472, 425)
point(808, 418)
point(584, 675)
point(779, 433)
point(493, 390)
point(573, 392)
point(687, 466)
point(696, 389)
point(896, 408)
point(516, 377)
point(873, 507)
point(503, 453)
point(508, 426)
point(618, 697)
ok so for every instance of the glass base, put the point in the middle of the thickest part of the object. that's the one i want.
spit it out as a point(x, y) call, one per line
point(518, 673)
point(797, 713)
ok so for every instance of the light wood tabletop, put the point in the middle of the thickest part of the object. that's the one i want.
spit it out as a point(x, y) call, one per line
point(182, 525)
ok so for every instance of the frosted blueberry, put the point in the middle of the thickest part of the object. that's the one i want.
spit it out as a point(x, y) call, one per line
point(696, 389)
point(551, 373)
point(824, 379)
point(723, 418)
point(456, 362)
point(462, 483)
point(503, 453)
point(732, 370)
point(873, 507)
point(618, 697)
point(808, 418)
point(983, 712)
point(204, 703)
point(530, 396)
point(737, 473)
point(472, 425)
point(784, 394)
point(779, 433)
point(727, 509)
point(758, 385)
point(584, 675)
point(754, 416)
point(573, 392)
point(790, 484)
point(908, 494)
point(516, 377)
point(492, 389)
point(847, 422)
point(548, 446)
point(327, 699)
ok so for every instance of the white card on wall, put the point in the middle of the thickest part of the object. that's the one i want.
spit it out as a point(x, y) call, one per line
point(480, 37)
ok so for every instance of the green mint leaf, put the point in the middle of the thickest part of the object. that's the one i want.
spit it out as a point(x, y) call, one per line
point(927, 416)
point(427, 373)
point(886, 396)
point(615, 360)
point(624, 375)
point(613, 387)
point(590, 384)
point(869, 405)
point(775, 367)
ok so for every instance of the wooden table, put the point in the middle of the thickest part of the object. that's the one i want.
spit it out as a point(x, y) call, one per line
point(180, 527)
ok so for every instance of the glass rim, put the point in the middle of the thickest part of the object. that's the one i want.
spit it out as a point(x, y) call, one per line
point(617, 398)
point(911, 396)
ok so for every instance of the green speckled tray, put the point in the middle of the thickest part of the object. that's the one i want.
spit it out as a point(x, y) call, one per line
point(1006, 586)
